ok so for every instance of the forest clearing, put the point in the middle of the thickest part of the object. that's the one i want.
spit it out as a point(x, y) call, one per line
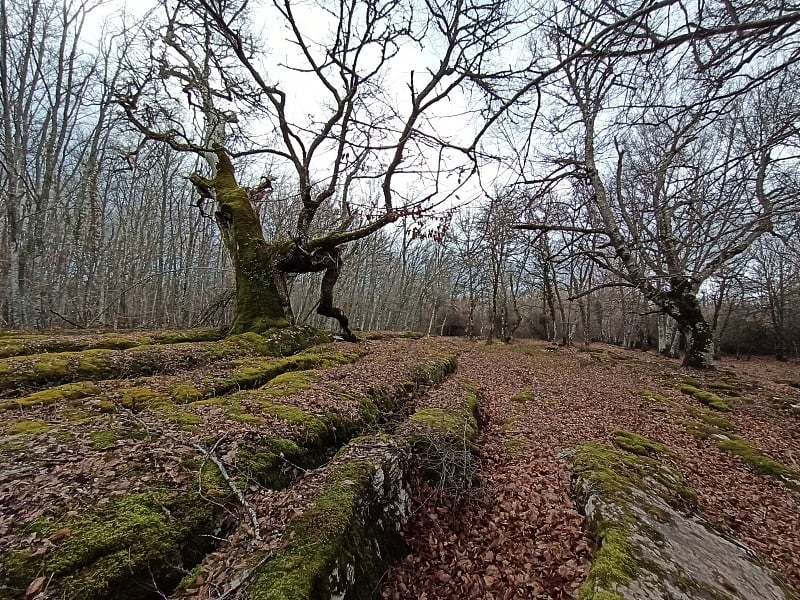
point(186, 465)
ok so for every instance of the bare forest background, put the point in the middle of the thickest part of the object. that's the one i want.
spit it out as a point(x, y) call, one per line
point(101, 230)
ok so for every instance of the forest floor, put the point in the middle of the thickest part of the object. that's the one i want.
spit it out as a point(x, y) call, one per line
point(102, 436)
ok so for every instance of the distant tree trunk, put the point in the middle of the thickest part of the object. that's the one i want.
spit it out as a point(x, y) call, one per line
point(680, 301)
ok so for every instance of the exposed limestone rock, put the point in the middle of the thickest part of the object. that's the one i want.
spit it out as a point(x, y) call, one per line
point(652, 544)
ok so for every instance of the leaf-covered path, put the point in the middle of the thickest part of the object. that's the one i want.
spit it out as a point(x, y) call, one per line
point(190, 467)
point(520, 536)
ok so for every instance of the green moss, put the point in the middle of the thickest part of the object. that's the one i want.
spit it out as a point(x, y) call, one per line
point(335, 530)
point(141, 537)
point(614, 563)
point(516, 447)
point(51, 366)
point(758, 460)
point(64, 436)
point(450, 424)
point(708, 398)
point(273, 465)
point(712, 419)
point(12, 446)
point(509, 424)
point(311, 428)
point(523, 396)
point(185, 393)
point(654, 396)
point(103, 440)
point(28, 427)
point(691, 381)
point(700, 431)
point(616, 474)
point(105, 406)
point(94, 364)
point(723, 386)
point(233, 409)
point(637, 444)
point(66, 392)
point(140, 398)
point(289, 383)
point(711, 400)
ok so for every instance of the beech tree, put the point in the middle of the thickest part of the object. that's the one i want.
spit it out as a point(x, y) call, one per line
point(202, 81)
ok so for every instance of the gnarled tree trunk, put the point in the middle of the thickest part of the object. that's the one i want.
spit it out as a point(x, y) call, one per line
point(681, 303)
point(261, 297)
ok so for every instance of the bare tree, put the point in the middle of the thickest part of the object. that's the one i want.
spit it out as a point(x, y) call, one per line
point(639, 133)
point(202, 83)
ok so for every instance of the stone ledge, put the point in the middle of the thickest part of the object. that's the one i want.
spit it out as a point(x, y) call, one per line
point(650, 542)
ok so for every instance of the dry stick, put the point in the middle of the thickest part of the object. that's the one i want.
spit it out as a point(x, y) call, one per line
point(218, 463)
point(237, 492)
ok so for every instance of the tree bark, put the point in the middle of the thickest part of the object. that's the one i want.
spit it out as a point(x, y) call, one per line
point(681, 303)
point(261, 297)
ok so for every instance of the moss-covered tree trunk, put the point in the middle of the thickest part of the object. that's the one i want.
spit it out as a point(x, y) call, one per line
point(680, 302)
point(261, 296)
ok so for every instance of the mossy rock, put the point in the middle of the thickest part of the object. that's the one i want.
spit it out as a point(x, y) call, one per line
point(38, 370)
point(62, 393)
point(759, 461)
point(710, 418)
point(110, 552)
point(140, 398)
point(274, 463)
point(636, 444)
point(443, 441)
point(184, 393)
point(523, 396)
point(653, 396)
point(341, 545)
point(711, 400)
point(618, 474)
point(27, 427)
point(289, 383)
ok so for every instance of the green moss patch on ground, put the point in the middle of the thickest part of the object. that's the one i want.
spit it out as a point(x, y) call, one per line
point(27, 427)
point(636, 444)
point(759, 461)
point(109, 552)
point(523, 396)
point(341, 544)
point(710, 399)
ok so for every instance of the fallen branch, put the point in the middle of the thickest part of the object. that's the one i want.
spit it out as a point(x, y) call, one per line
point(236, 491)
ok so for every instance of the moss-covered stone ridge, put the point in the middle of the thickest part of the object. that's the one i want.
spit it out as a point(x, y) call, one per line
point(27, 373)
point(650, 541)
point(341, 545)
point(118, 551)
point(442, 435)
point(18, 344)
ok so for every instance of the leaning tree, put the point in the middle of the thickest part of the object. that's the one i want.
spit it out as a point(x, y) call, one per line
point(674, 133)
point(325, 94)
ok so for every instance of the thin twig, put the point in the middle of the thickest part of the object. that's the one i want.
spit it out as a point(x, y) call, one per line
point(234, 488)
